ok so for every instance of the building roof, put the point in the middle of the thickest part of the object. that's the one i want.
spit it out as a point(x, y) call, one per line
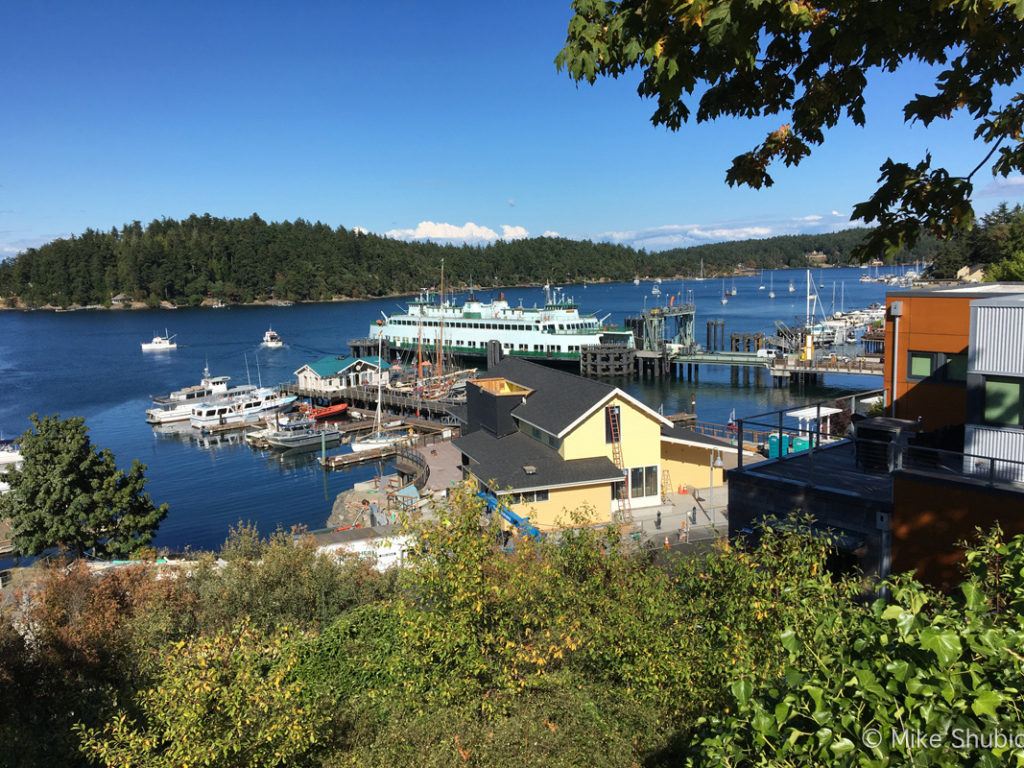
point(679, 433)
point(500, 462)
point(329, 366)
point(559, 400)
point(1011, 300)
point(973, 290)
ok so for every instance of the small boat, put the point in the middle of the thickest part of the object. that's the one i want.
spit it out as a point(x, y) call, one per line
point(272, 339)
point(655, 290)
point(301, 434)
point(330, 411)
point(636, 281)
point(732, 292)
point(771, 290)
point(761, 286)
point(725, 294)
point(792, 288)
point(701, 278)
point(160, 343)
point(378, 438)
point(218, 304)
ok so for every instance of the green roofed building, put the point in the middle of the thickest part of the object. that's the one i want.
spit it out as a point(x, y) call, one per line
point(331, 373)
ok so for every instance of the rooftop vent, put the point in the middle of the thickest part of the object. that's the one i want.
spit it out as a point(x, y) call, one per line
point(529, 469)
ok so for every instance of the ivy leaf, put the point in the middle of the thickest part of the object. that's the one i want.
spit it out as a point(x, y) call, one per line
point(945, 644)
point(986, 703)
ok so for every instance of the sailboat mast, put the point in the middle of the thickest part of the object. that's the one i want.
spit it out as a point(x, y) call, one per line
point(440, 328)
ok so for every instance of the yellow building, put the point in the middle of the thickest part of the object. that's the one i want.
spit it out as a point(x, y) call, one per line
point(548, 444)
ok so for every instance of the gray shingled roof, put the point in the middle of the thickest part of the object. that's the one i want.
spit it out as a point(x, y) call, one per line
point(558, 399)
point(679, 432)
point(500, 461)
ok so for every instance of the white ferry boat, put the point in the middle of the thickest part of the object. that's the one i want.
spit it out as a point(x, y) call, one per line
point(160, 343)
point(556, 331)
point(272, 339)
point(243, 409)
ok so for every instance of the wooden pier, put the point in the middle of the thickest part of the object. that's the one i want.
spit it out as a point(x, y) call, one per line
point(346, 460)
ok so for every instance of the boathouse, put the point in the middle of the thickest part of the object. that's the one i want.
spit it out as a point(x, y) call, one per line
point(332, 374)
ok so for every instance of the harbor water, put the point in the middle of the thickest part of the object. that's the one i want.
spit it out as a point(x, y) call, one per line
point(89, 363)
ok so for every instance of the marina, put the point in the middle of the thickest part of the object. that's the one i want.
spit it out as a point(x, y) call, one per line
point(216, 479)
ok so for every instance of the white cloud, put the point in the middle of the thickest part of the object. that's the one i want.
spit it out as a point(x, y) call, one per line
point(550, 233)
point(512, 232)
point(360, 230)
point(9, 248)
point(677, 235)
point(1011, 185)
point(838, 215)
point(439, 231)
point(809, 219)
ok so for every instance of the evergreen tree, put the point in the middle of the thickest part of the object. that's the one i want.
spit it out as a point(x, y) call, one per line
point(71, 496)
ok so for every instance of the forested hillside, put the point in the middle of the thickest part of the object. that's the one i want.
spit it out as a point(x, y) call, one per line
point(241, 260)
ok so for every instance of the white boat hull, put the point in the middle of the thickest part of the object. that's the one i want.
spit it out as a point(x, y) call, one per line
point(373, 443)
point(148, 346)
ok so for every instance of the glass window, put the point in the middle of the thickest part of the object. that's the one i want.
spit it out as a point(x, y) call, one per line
point(956, 367)
point(651, 480)
point(920, 365)
point(612, 409)
point(636, 482)
point(1003, 401)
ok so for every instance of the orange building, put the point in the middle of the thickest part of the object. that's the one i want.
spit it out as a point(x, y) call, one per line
point(926, 338)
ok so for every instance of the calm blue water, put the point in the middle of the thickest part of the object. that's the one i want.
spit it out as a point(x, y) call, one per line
point(90, 364)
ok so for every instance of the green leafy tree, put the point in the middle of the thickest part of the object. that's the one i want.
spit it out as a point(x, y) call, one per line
point(228, 700)
point(861, 686)
point(810, 63)
point(71, 496)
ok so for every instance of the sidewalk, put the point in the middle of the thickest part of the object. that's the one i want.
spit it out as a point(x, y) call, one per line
point(711, 514)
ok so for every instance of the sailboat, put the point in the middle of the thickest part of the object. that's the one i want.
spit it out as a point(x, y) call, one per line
point(378, 438)
point(792, 288)
point(701, 271)
point(636, 280)
point(733, 291)
point(771, 291)
point(725, 294)
point(761, 286)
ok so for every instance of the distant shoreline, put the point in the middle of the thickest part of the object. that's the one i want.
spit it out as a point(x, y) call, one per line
point(136, 306)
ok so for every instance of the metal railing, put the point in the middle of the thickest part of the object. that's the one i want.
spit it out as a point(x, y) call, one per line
point(422, 468)
point(775, 423)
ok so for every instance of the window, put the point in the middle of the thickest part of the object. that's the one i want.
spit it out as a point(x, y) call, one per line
point(956, 367)
point(643, 481)
point(921, 366)
point(609, 412)
point(530, 497)
point(937, 366)
point(1003, 402)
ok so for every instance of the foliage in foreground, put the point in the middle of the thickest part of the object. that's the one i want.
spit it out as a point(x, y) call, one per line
point(72, 496)
point(559, 653)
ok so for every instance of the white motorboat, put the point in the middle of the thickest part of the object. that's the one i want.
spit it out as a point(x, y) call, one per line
point(771, 290)
point(655, 290)
point(725, 294)
point(792, 288)
point(272, 339)
point(636, 281)
point(10, 460)
point(160, 343)
point(208, 386)
point(301, 434)
point(243, 409)
point(179, 411)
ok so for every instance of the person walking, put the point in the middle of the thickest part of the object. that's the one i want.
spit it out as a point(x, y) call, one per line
point(657, 521)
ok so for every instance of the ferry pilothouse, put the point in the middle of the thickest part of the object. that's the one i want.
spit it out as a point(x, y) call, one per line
point(556, 331)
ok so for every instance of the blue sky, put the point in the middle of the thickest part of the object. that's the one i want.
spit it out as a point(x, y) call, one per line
point(415, 119)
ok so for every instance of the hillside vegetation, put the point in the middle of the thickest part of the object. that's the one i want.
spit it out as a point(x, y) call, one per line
point(242, 260)
point(561, 653)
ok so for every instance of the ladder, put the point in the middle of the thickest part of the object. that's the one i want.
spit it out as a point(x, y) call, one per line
point(625, 510)
point(666, 487)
